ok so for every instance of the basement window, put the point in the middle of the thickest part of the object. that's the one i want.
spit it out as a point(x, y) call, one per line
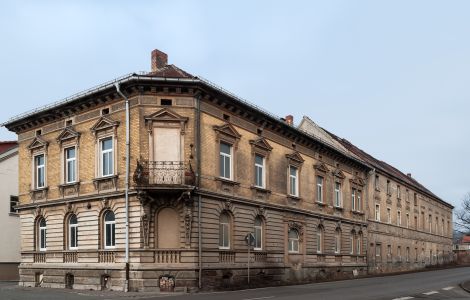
point(166, 102)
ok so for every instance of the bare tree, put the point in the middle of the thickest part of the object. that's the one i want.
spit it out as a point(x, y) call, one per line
point(462, 216)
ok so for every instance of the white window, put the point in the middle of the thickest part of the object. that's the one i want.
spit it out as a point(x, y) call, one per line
point(225, 161)
point(293, 181)
point(106, 157)
point(319, 240)
point(73, 232)
point(293, 241)
point(377, 212)
point(399, 218)
point(337, 194)
point(39, 165)
point(389, 251)
point(224, 231)
point(70, 165)
point(389, 215)
point(337, 241)
point(378, 250)
point(353, 199)
point(259, 171)
point(109, 230)
point(258, 233)
point(42, 234)
point(319, 189)
point(359, 201)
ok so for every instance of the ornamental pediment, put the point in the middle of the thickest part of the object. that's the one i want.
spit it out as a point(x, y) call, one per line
point(357, 181)
point(296, 157)
point(38, 143)
point(261, 143)
point(67, 134)
point(227, 129)
point(166, 115)
point(339, 174)
point(104, 123)
point(321, 167)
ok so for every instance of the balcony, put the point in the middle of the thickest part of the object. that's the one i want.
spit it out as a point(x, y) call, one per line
point(165, 173)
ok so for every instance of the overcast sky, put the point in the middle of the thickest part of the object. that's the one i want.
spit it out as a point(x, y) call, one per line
point(390, 76)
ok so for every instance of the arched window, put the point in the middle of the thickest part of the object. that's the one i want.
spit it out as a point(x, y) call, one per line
point(258, 230)
point(352, 241)
point(338, 241)
point(42, 234)
point(73, 232)
point(224, 231)
point(319, 239)
point(293, 240)
point(109, 230)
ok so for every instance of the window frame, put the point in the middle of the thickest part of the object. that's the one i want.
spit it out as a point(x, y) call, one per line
point(112, 227)
point(337, 194)
point(225, 229)
point(337, 241)
point(293, 241)
point(258, 233)
point(377, 212)
point(72, 232)
point(319, 239)
point(222, 157)
point(42, 234)
point(14, 201)
point(263, 171)
point(39, 169)
point(102, 153)
point(389, 215)
point(293, 180)
point(398, 218)
point(320, 189)
point(67, 167)
point(353, 199)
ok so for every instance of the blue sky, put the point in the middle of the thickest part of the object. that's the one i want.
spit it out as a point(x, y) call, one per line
point(389, 76)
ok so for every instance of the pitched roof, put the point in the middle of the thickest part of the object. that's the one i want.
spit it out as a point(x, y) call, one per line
point(170, 71)
point(7, 145)
point(385, 167)
point(465, 239)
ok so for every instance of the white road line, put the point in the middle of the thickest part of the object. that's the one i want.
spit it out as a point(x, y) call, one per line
point(403, 298)
point(431, 293)
point(448, 288)
point(268, 297)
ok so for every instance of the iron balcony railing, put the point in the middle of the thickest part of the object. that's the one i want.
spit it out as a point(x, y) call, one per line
point(163, 173)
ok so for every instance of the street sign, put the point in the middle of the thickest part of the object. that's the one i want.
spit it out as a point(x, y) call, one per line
point(250, 239)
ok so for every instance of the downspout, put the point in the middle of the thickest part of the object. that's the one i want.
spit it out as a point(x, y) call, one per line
point(126, 283)
point(198, 185)
point(370, 174)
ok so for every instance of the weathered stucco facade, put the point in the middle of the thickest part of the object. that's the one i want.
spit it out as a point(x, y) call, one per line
point(206, 170)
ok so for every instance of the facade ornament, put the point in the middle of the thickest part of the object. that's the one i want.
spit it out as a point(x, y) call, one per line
point(297, 226)
point(145, 224)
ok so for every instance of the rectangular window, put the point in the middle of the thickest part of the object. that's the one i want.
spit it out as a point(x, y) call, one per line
point(106, 157)
point(337, 194)
point(399, 253)
point(337, 242)
point(258, 233)
point(430, 223)
point(416, 254)
point(399, 218)
point(436, 226)
point(376, 182)
point(319, 240)
point(293, 182)
point(259, 171)
point(73, 237)
point(359, 201)
point(224, 236)
point(353, 199)
point(39, 165)
point(70, 165)
point(14, 202)
point(378, 250)
point(225, 161)
point(351, 241)
point(319, 189)
point(407, 220)
point(389, 251)
point(359, 244)
point(389, 215)
point(416, 222)
point(377, 212)
point(389, 192)
point(415, 200)
point(407, 195)
point(398, 192)
point(407, 254)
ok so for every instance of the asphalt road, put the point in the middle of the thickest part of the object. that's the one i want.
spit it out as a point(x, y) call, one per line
point(442, 284)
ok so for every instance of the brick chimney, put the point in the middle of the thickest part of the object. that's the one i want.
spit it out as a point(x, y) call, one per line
point(409, 174)
point(159, 60)
point(289, 120)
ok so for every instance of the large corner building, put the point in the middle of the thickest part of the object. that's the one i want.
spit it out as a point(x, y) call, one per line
point(204, 169)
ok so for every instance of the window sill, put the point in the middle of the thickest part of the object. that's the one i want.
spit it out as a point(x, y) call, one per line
point(227, 181)
point(338, 208)
point(320, 203)
point(37, 190)
point(105, 178)
point(293, 198)
point(69, 184)
point(39, 194)
point(260, 189)
point(356, 212)
point(105, 183)
point(69, 189)
point(12, 214)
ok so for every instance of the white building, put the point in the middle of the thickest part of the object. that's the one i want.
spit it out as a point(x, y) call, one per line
point(9, 221)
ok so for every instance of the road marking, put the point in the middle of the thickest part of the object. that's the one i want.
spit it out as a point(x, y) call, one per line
point(403, 298)
point(268, 297)
point(430, 293)
point(448, 288)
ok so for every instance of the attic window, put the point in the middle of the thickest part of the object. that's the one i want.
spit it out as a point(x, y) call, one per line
point(226, 117)
point(166, 102)
point(105, 111)
point(259, 131)
point(172, 90)
point(38, 132)
point(184, 90)
point(68, 123)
